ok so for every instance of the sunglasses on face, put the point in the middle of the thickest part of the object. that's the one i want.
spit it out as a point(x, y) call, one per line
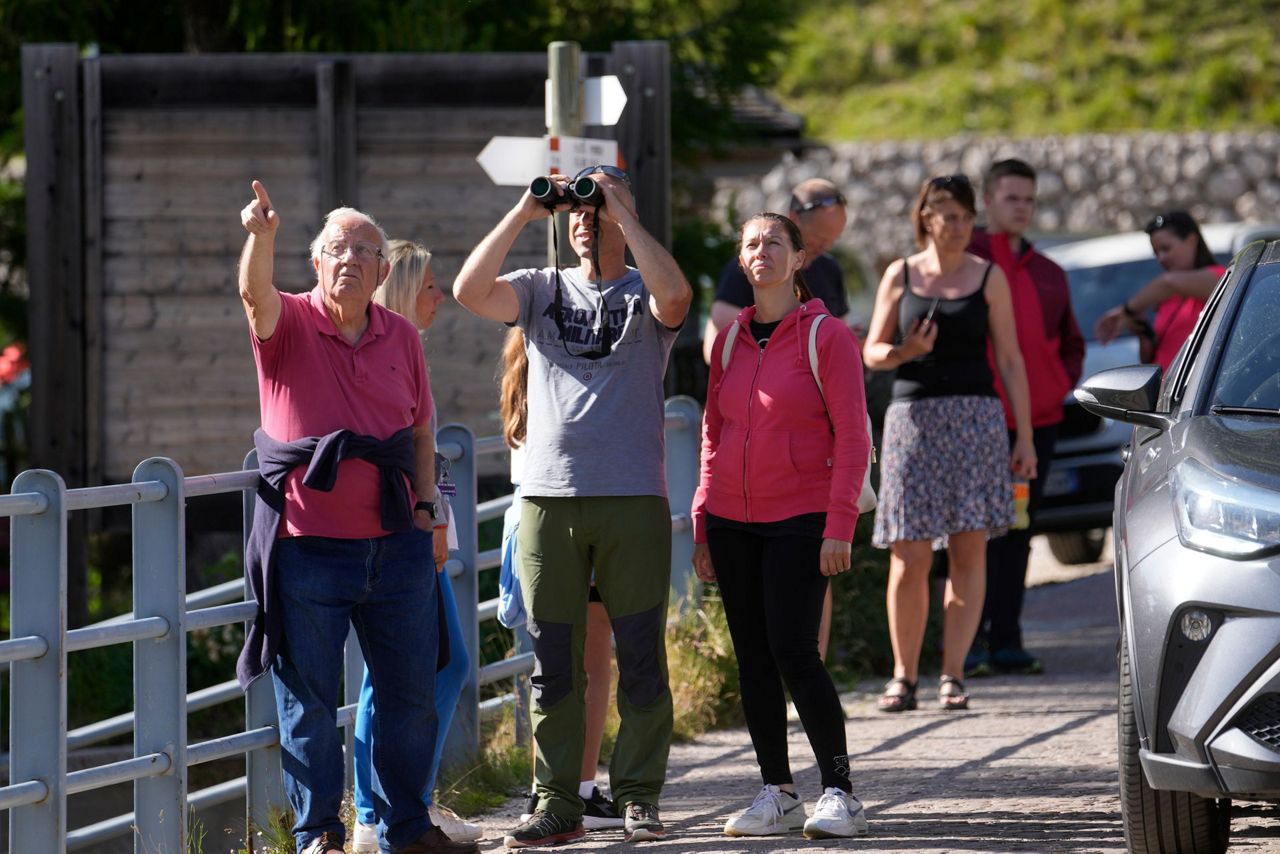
point(829, 201)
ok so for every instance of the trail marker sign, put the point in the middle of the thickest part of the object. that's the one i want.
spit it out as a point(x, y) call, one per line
point(514, 161)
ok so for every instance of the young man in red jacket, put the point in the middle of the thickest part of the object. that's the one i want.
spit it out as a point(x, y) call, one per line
point(1053, 351)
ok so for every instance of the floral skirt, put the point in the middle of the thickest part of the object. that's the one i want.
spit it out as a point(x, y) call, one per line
point(944, 468)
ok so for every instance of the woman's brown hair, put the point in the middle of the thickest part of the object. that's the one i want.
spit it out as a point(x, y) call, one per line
point(957, 188)
point(798, 283)
point(513, 398)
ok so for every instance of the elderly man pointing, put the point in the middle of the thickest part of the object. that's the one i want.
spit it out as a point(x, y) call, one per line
point(342, 527)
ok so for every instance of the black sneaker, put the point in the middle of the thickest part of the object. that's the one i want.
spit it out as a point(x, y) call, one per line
point(642, 822)
point(598, 812)
point(544, 828)
point(1017, 661)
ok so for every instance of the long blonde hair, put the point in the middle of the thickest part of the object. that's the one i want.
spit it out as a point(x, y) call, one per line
point(513, 397)
point(399, 290)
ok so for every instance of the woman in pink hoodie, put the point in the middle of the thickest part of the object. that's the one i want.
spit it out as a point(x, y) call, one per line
point(783, 459)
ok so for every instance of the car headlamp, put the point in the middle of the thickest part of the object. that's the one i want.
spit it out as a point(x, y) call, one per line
point(1224, 517)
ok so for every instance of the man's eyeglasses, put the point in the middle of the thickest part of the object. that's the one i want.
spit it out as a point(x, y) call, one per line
point(603, 169)
point(364, 252)
point(829, 201)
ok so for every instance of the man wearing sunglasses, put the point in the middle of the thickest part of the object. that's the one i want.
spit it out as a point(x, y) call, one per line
point(598, 337)
point(818, 208)
point(340, 538)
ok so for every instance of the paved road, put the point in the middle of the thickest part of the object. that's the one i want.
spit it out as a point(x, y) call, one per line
point(1030, 767)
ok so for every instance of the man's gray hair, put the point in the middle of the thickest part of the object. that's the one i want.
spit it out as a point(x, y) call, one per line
point(341, 213)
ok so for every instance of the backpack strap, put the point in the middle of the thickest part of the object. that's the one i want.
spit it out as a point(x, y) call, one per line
point(813, 354)
point(728, 346)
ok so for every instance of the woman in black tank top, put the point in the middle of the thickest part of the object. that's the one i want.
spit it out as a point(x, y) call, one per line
point(946, 463)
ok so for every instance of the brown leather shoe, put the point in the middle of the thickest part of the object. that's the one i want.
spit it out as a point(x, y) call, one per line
point(326, 843)
point(435, 842)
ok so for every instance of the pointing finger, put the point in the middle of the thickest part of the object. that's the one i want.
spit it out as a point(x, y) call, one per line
point(261, 192)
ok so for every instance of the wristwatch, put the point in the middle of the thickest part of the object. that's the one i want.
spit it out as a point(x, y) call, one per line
point(429, 506)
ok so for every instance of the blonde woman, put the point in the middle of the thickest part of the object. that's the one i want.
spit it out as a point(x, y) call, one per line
point(410, 291)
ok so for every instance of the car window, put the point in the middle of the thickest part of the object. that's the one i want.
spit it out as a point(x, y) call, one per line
point(1094, 290)
point(1180, 369)
point(1249, 371)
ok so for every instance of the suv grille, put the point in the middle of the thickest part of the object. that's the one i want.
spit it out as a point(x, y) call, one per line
point(1077, 421)
point(1262, 720)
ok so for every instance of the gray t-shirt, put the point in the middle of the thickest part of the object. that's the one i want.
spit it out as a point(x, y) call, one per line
point(595, 426)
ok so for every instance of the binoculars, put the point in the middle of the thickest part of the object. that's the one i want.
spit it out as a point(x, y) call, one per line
point(583, 192)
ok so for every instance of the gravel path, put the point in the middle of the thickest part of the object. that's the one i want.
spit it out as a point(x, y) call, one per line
point(1030, 767)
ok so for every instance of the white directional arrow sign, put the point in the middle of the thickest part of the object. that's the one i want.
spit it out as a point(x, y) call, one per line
point(602, 100)
point(514, 161)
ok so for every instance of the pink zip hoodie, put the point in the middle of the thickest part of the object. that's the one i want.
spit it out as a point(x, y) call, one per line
point(768, 450)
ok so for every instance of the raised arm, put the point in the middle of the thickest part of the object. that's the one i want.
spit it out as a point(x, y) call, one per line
point(669, 293)
point(257, 264)
point(478, 286)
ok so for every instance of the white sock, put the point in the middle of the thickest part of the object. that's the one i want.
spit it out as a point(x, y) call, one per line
point(585, 787)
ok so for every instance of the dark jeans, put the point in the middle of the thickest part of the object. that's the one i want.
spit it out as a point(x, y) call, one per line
point(1007, 559)
point(772, 592)
point(386, 588)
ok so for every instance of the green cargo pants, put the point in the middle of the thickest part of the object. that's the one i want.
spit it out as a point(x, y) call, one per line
point(626, 540)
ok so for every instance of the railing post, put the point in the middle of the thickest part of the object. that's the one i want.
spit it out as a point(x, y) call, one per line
point(462, 744)
point(684, 444)
point(160, 665)
point(265, 789)
point(37, 687)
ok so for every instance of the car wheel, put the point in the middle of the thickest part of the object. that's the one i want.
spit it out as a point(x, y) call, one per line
point(1161, 822)
point(1072, 547)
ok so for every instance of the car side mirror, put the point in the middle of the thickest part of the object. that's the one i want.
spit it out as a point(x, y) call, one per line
point(1126, 394)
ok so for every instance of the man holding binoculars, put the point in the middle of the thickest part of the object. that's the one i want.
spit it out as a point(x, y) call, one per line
point(598, 337)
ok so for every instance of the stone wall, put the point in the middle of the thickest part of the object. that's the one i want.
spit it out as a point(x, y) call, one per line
point(1089, 184)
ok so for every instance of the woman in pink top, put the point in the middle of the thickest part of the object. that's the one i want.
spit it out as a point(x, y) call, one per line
point(782, 464)
point(1178, 294)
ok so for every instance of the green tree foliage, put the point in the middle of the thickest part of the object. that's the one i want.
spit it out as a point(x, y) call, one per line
point(884, 69)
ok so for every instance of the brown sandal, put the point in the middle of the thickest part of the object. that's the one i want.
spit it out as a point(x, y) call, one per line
point(892, 701)
point(952, 695)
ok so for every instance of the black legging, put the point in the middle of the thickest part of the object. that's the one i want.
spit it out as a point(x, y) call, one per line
point(773, 594)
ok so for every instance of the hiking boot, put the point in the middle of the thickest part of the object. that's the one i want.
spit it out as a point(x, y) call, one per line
point(1017, 661)
point(642, 822)
point(365, 839)
point(544, 828)
point(434, 841)
point(325, 843)
point(454, 826)
point(977, 663)
point(598, 812)
point(773, 811)
point(837, 815)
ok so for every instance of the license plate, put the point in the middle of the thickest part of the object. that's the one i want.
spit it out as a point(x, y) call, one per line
point(1062, 482)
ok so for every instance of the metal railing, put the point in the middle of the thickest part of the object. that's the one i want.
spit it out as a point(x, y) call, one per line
point(163, 613)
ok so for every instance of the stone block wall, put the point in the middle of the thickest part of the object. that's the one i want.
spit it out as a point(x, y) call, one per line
point(1088, 184)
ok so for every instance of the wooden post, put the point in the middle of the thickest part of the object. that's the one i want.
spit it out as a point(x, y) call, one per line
point(55, 276)
point(564, 68)
point(336, 121)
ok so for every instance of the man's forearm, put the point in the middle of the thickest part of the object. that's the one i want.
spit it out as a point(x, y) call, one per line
point(660, 272)
point(257, 267)
point(478, 276)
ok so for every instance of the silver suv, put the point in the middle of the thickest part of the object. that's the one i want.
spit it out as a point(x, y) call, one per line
point(1103, 272)
point(1197, 568)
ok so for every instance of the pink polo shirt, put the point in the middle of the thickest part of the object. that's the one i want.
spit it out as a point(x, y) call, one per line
point(311, 381)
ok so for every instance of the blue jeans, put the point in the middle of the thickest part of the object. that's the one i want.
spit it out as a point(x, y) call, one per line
point(386, 588)
point(449, 682)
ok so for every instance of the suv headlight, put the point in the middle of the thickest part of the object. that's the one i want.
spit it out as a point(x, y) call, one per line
point(1224, 517)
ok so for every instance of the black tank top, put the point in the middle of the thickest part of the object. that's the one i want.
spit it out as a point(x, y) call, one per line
point(958, 363)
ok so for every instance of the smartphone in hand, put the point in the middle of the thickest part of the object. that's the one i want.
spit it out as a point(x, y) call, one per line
point(933, 308)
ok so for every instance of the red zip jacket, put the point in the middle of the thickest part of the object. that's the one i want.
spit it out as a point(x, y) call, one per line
point(768, 451)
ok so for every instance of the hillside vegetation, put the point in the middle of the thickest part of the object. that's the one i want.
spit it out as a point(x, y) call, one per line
point(892, 69)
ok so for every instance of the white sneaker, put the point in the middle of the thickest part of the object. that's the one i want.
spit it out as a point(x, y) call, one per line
point(365, 839)
point(454, 826)
point(837, 815)
point(773, 811)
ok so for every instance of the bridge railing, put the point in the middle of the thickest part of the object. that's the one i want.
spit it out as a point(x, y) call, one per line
point(163, 612)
